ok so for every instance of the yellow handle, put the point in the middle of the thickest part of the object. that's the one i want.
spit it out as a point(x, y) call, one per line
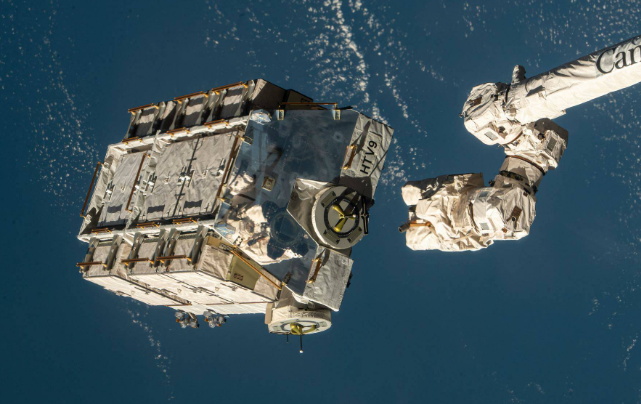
point(297, 329)
point(339, 210)
point(340, 224)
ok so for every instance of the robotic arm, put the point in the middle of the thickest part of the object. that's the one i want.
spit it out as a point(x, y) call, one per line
point(458, 212)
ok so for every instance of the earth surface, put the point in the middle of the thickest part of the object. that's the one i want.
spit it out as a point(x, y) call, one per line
point(552, 318)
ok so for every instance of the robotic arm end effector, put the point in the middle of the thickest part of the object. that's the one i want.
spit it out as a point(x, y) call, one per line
point(469, 217)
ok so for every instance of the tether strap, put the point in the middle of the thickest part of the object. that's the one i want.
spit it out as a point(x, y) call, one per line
point(527, 161)
point(520, 178)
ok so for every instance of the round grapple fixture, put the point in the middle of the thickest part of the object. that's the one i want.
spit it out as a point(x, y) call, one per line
point(294, 321)
point(337, 217)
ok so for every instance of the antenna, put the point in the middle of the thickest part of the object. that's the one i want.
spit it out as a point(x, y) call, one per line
point(301, 343)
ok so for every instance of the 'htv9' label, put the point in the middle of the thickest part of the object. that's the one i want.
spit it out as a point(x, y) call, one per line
point(368, 160)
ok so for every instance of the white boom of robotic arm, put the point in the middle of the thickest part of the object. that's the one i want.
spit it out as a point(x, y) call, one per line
point(458, 212)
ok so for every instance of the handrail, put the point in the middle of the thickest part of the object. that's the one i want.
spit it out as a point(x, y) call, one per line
point(351, 156)
point(218, 89)
point(132, 110)
point(212, 123)
point(416, 224)
point(178, 130)
point(227, 169)
point(84, 206)
point(316, 261)
point(131, 260)
point(131, 194)
point(131, 139)
point(237, 254)
point(88, 264)
point(308, 103)
point(182, 97)
point(173, 257)
point(103, 230)
point(147, 224)
point(184, 220)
